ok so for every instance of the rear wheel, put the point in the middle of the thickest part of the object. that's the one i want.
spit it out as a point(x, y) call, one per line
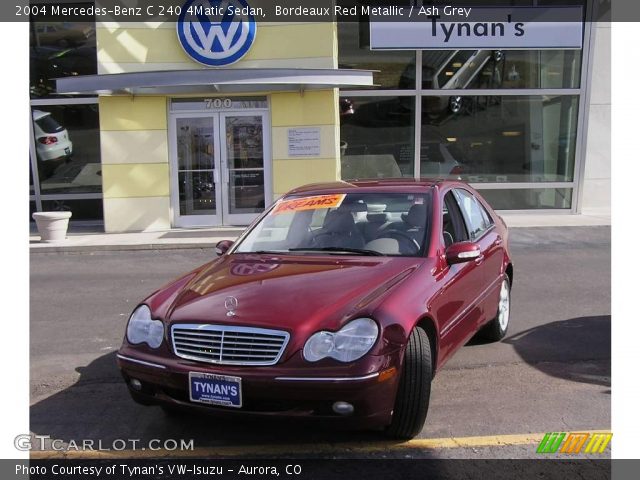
point(412, 399)
point(496, 329)
point(455, 104)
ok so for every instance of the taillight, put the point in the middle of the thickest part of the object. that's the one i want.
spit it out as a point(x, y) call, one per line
point(458, 169)
point(48, 140)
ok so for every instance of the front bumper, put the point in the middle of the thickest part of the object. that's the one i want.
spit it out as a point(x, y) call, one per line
point(270, 391)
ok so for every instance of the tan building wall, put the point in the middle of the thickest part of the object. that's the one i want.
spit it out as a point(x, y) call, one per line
point(134, 143)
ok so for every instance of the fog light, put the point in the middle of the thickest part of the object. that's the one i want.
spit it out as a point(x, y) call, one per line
point(343, 408)
point(135, 384)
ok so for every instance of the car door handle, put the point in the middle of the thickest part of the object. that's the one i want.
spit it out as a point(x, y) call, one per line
point(479, 259)
point(499, 241)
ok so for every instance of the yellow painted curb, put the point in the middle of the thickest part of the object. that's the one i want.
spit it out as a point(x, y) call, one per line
point(325, 448)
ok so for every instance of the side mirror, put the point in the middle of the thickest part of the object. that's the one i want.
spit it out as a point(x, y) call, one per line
point(462, 252)
point(222, 246)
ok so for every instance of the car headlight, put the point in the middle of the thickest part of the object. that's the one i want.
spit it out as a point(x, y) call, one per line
point(349, 343)
point(142, 329)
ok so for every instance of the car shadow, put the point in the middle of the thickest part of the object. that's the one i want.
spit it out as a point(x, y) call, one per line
point(98, 407)
point(577, 349)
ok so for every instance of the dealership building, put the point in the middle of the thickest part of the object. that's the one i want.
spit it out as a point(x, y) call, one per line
point(144, 126)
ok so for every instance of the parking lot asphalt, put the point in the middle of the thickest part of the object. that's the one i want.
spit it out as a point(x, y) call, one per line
point(551, 372)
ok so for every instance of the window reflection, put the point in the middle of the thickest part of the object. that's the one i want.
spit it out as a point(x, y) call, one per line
point(67, 144)
point(87, 209)
point(500, 139)
point(480, 69)
point(448, 69)
point(60, 50)
point(377, 137)
point(31, 187)
point(458, 69)
point(392, 70)
point(528, 198)
point(66, 138)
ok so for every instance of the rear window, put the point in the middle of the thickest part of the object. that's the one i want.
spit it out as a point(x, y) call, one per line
point(49, 125)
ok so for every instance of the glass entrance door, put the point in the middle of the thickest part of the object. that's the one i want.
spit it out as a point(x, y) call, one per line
point(243, 188)
point(196, 195)
point(218, 168)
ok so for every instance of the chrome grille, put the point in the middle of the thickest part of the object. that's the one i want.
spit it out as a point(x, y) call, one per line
point(228, 345)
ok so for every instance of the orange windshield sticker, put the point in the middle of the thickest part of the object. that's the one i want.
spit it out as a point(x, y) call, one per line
point(309, 203)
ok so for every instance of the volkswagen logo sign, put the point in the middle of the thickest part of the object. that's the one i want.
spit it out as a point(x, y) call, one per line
point(231, 303)
point(216, 33)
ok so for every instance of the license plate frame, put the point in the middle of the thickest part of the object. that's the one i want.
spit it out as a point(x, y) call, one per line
point(206, 392)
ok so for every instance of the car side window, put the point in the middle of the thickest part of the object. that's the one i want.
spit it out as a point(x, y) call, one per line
point(454, 229)
point(476, 217)
point(485, 215)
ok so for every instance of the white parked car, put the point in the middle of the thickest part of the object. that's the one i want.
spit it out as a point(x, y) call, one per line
point(52, 139)
point(436, 161)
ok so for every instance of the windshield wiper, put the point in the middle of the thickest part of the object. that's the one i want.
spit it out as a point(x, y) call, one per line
point(359, 251)
point(268, 252)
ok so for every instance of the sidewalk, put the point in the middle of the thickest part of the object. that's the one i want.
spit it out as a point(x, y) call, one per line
point(81, 240)
point(84, 239)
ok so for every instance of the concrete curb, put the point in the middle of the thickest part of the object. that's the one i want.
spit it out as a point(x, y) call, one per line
point(119, 248)
point(545, 235)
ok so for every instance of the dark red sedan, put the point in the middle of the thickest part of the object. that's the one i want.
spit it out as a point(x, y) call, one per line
point(340, 302)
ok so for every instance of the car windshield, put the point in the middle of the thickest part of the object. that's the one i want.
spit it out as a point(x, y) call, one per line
point(394, 224)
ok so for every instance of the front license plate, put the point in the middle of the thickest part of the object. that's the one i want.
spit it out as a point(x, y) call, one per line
point(215, 389)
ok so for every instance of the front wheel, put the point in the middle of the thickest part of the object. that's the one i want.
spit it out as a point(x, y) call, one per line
point(496, 329)
point(412, 399)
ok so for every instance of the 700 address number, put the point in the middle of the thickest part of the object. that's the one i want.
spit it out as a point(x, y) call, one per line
point(217, 103)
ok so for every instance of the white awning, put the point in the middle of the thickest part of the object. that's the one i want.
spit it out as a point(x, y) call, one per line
point(232, 80)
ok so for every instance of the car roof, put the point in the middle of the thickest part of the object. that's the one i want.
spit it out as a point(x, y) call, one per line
point(388, 185)
point(38, 114)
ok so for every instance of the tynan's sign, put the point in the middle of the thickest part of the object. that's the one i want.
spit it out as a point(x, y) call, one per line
point(216, 33)
point(516, 28)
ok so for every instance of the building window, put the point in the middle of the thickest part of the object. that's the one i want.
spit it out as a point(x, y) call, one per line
point(377, 137)
point(85, 209)
point(529, 198)
point(518, 142)
point(59, 50)
point(482, 69)
point(65, 143)
point(499, 139)
point(392, 70)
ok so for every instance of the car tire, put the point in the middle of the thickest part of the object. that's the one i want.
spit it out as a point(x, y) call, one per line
point(412, 399)
point(496, 329)
point(455, 104)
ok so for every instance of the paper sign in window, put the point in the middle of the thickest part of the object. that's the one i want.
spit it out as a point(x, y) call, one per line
point(309, 203)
